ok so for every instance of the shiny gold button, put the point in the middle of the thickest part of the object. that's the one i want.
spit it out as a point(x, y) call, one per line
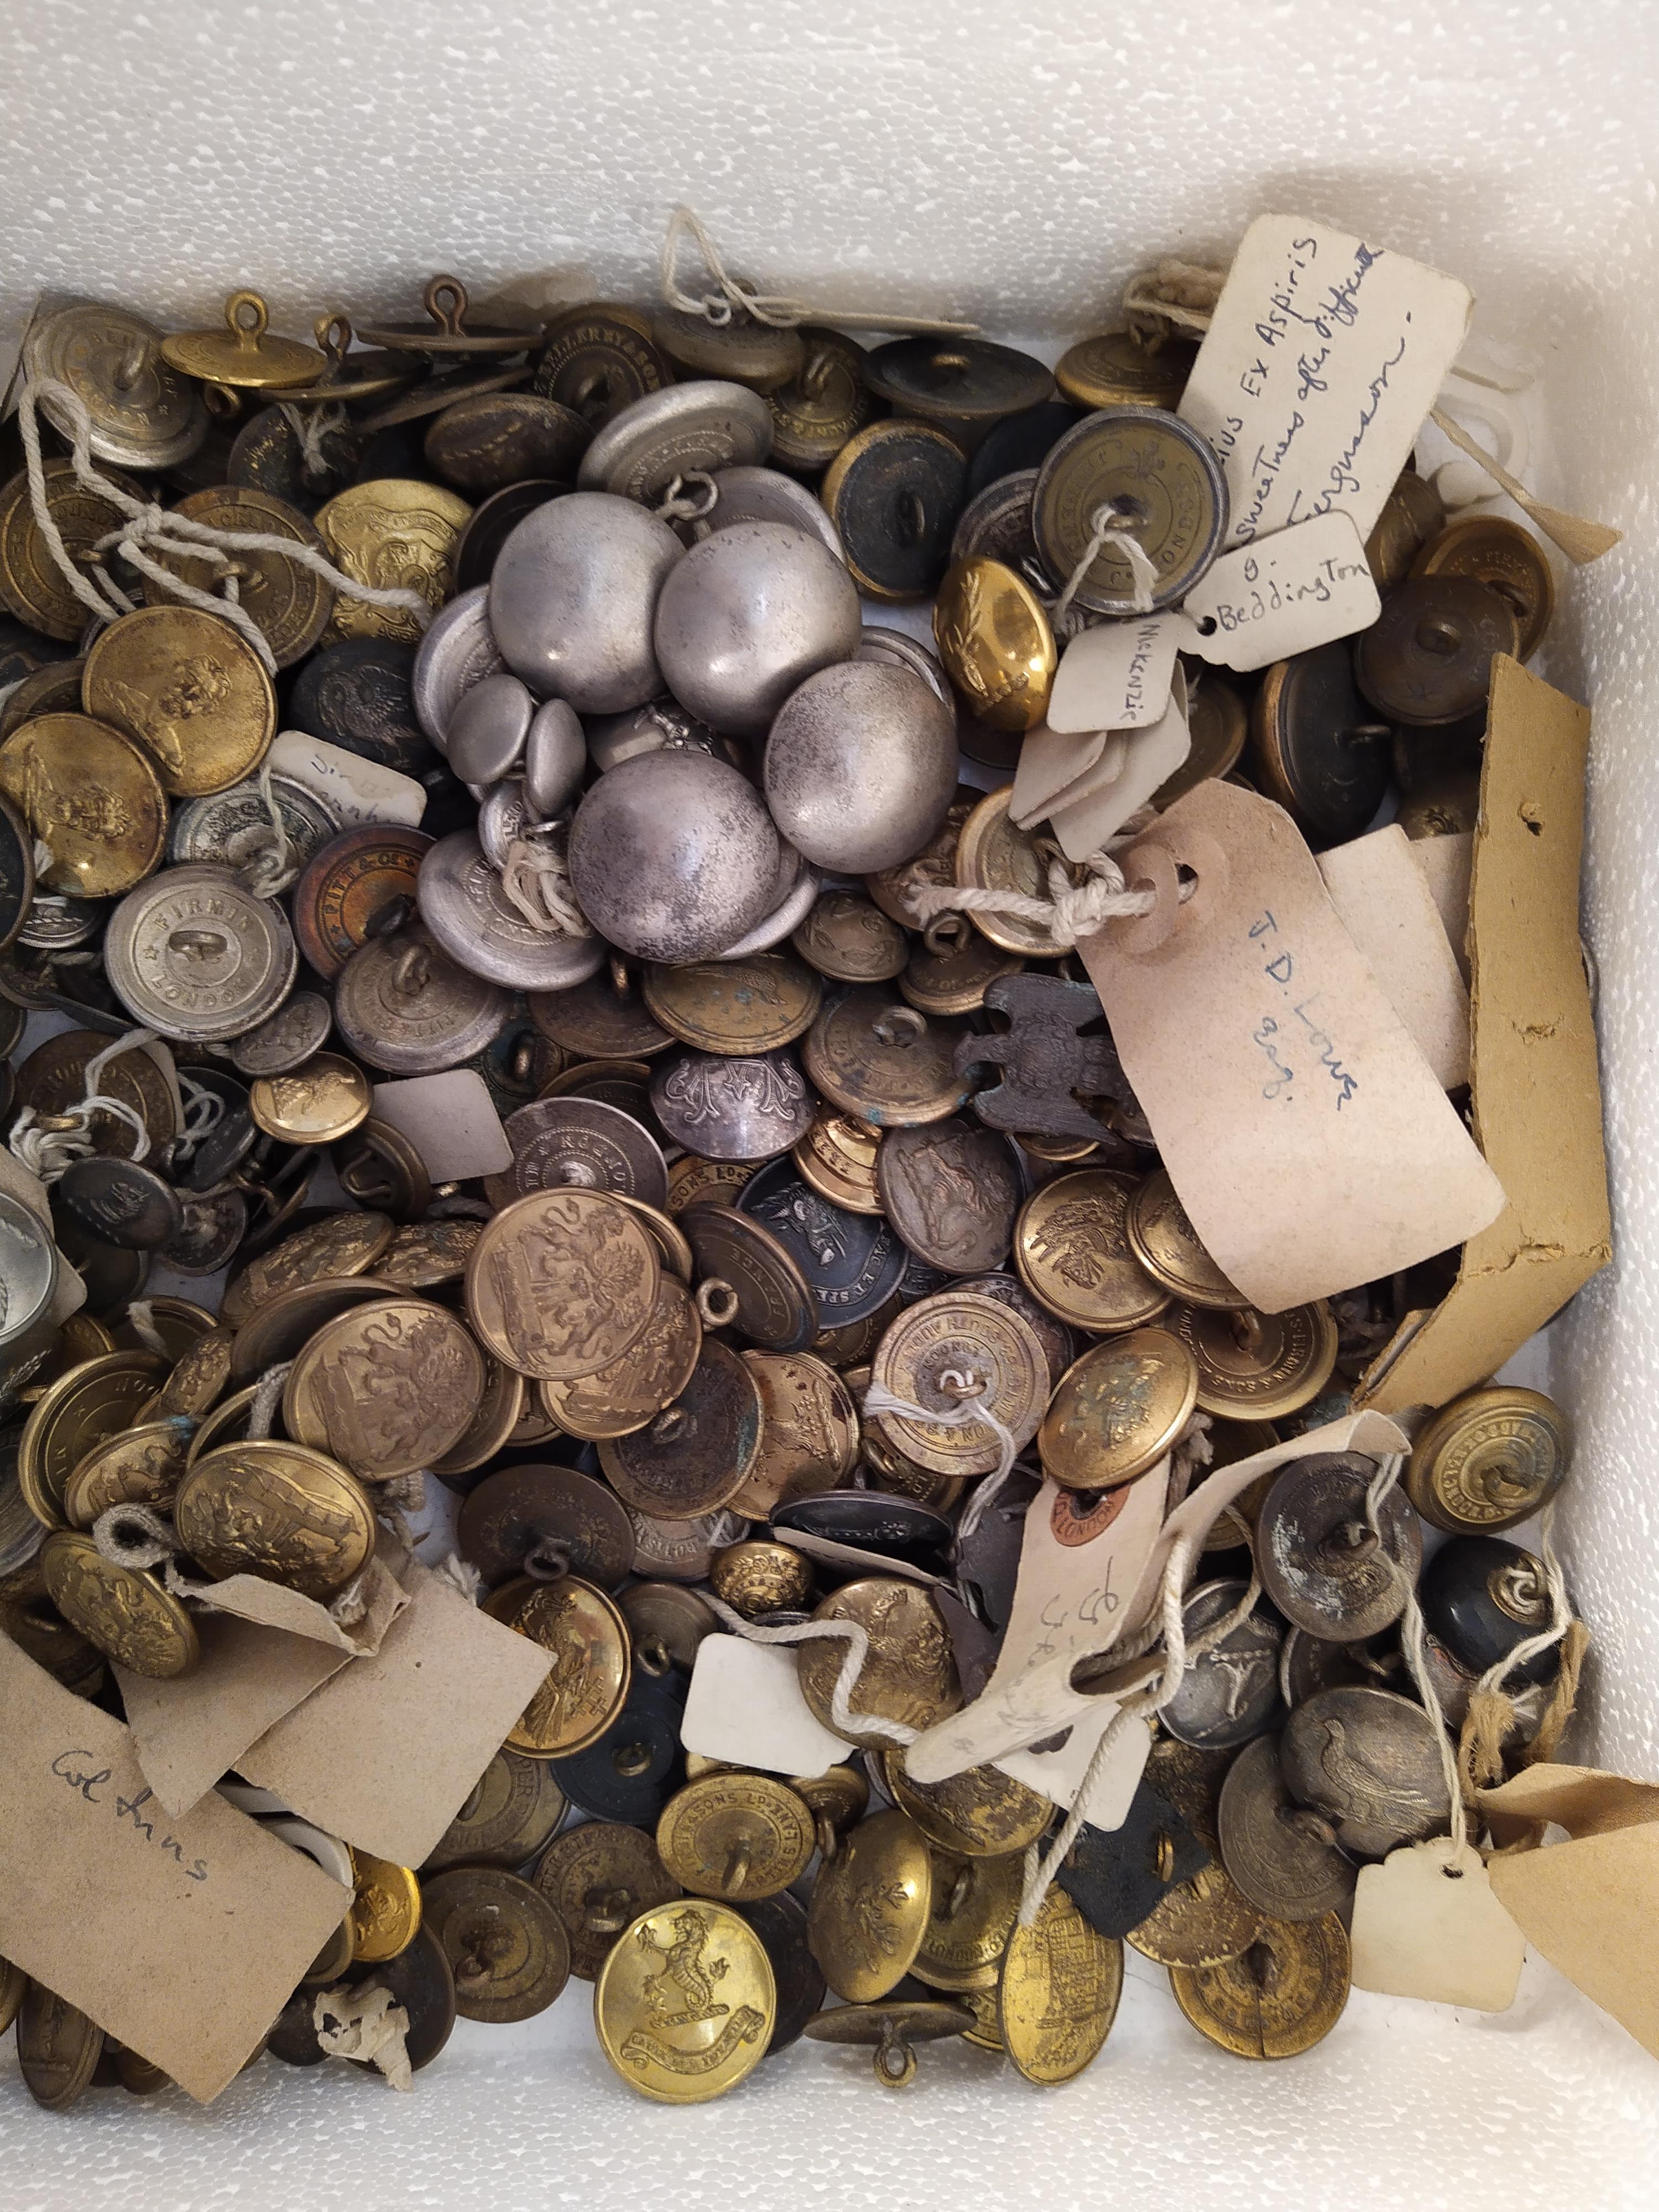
point(993, 637)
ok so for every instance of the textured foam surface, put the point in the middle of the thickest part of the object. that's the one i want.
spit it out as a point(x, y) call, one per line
point(1013, 163)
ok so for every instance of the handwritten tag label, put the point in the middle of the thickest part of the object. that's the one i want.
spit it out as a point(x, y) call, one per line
point(1321, 363)
point(181, 1937)
point(1320, 1149)
point(1426, 1925)
point(1386, 905)
point(353, 789)
point(1075, 1575)
point(1117, 676)
point(1280, 595)
point(745, 1704)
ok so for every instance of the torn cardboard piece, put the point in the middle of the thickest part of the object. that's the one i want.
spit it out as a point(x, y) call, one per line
point(384, 1754)
point(1307, 1137)
point(1589, 1904)
point(182, 1938)
point(1383, 901)
point(1535, 1091)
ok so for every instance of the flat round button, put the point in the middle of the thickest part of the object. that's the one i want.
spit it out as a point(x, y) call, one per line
point(1279, 1998)
point(1320, 1561)
point(1283, 1856)
point(1119, 1409)
point(1489, 1460)
point(893, 491)
point(1427, 658)
point(871, 1907)
point(506, 1946)
point(1320, 748)
point(735, 1837)
point(1229, 1692)
point(1370, 1761)
point(1146, 473)
point(598, 1878)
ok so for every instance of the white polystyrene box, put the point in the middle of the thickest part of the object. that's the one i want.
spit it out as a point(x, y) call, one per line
point(1013, 162)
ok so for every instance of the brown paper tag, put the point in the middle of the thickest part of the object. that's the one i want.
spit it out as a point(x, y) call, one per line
point(1281, 595)
point(187, 1733)
point(1445, 865)
point(1588, 1904)
point(1537, 1102)
point(1383, 901)
point(1323, 360)
point(184, 1937)
point(1307, 1136)
point(384, 1754)
point(382, 1587)
point(1427, 1924)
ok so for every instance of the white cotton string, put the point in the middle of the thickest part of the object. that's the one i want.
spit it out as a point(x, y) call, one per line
point(1070, 911)
point(204, 1110)
point(461, 1574)
point(842, 1718)
point(678, 506)
point(1411, 1642)
point(142, 1315)
point(1183, 293)
point(1179, 1652)
point(311, 426)
point(275, 863)
point(50, 1151)
point(973, 1412)
point(266, 1398)
point(1193, 1450)
point(366, 2023)
point(536, 879)
point(1560, 1610)
point(134, 1536)
point(734, 297)
point(150, 525)
point(1143, 570)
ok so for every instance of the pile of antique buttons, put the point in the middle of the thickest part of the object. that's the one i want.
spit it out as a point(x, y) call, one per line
point(661, 799)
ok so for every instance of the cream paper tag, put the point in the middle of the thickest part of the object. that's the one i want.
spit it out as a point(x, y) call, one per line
point(384, 1754)
point(355, 790)
point(1383, 901)
point(451, 1121)
point(745, 1704)
point(1067, 1597)
point(1322, 363)
point(1426, 1925)
point(1308, 1138)
point(1060, 1774)
point(1117, 676)
point(1446, 865)
point(1051, 762)
point(1073, 1602)
point(1086, 818)
point(1281, 595)
point(181, 1937)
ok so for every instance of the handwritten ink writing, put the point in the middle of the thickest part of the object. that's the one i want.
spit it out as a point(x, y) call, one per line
point(1134, 682)
point(1343, 481)
point(75, 1768)
point(1279, 967)
point(68, 1765)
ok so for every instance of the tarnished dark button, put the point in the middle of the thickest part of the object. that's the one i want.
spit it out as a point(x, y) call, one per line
point(852, 1262)
point(1482, 1596)
point(893, 492)
point(1318, 747)
point(1427, 658)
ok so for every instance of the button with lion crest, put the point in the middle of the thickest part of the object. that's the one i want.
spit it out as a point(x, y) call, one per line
point(1072, 1249)
point(909, 1674)
point(685, 2002)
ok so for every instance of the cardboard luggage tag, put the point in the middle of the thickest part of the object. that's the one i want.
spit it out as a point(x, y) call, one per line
point(1383, 901)
point(1117, 676)
point(264, 1650)
point(1052, 761)
point(1089, 814)
point(384, 1754)
point(182, 1938)
point(1309, 1141)
point(451, 1121)
point(1533, 1077)
point(1059, 1774)
point(745, 1704)
point(1281, 595)
point(1321, 363)
point(355, 790)
point(1588, 1903)
point(1427, 1923)
point(1078, 1594)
